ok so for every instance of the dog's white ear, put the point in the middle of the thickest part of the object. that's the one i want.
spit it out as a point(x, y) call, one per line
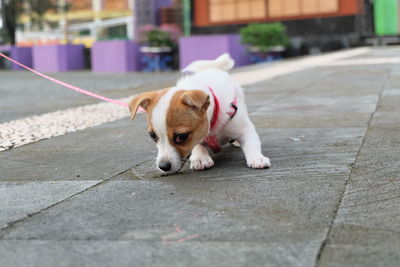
point(143, 100)
point(196, 99)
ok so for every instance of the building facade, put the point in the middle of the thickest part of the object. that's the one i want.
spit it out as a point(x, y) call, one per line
point(221, 12)
point(80, 22)
point(313, 25)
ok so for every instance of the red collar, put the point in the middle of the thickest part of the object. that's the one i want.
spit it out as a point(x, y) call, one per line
point(217, 109)
point(211, 140)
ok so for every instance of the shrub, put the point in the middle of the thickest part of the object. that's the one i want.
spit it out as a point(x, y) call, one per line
point(263, 36)
point(159, 38)
point(165, 36)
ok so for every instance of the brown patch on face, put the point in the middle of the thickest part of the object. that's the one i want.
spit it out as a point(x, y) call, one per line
point(187, 114)
point(147, 101)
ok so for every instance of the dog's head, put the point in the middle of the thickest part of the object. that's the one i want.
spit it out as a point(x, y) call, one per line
point(176, 120)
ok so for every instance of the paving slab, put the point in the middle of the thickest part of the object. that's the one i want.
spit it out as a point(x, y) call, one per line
point(332, 97)
point(23, 253)
point(366, 229)
point(94, 154)
point(359, 80)
point(280, 87)
point(252, 211)
point(388, 113)
point(380, 52)
point(316, 111)
point(18, 200)
point(269, 215)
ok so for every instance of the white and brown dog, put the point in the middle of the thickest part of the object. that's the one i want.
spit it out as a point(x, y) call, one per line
point(205, 108)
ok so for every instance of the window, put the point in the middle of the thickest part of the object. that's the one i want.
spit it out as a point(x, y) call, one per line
point(287, 8)
point(115, 4)
point(81, 4)
point(236, 10)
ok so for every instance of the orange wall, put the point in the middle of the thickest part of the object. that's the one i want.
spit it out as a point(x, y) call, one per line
point(346, 7)
point(349, 7)
point(115, 4)
point(81, 4)
point(201, 12)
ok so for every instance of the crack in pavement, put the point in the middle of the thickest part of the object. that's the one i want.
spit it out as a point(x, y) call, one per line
point(12, 224)
point(339, 203)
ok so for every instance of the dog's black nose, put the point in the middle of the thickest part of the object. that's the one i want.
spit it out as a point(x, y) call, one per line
point(164, 165)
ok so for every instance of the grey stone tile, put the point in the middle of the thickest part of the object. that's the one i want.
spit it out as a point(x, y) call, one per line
point(378, 160)
point(372, 197)
point(366, 230)
point(318, 100)
point(317, 120)
point(388, 112)
point(240, 211)
point(93, 154)
point(357, 242)
point(20, 199)
point(353, 80)
point(361, 247)
point(290, 83)
point(380, 52)
point(374, 205)
point(316, 111)
point(142, 253)
point(314, 105)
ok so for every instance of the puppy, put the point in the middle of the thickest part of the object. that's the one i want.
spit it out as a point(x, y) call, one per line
point(206, 108)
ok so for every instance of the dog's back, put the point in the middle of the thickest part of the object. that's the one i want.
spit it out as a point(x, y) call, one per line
point(223, 62)
point(206, 74)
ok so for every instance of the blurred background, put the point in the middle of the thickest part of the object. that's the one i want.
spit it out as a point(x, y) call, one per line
point(154, 35)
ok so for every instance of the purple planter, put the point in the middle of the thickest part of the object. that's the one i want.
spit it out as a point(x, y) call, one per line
point(22, 55)
point(116, 56)
point(58, 58)
point(211, 46)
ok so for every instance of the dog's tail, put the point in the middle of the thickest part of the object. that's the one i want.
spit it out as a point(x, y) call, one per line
point(223, 62)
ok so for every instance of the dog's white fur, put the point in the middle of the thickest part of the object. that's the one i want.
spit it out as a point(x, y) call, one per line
point(206, 74)
point(223, 62)
point(166, 152)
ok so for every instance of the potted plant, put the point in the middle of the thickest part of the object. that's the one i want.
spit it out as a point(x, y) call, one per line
point(266, 41)
point(158, 46)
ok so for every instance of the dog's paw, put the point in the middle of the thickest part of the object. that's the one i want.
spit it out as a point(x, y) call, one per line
point(259, 162)
point(201, 163)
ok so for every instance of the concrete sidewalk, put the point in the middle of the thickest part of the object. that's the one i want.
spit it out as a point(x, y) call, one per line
point(331, 198)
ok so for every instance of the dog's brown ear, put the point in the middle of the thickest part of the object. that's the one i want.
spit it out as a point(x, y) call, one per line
point(196, 99)
point(143, 100)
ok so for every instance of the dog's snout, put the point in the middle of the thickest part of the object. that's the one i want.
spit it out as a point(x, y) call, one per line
point(164, 165)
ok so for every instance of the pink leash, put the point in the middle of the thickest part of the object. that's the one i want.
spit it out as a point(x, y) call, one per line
point(69, 86)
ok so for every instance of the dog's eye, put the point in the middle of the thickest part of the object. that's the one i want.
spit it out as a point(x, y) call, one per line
point(180, 138)
point(153, 136)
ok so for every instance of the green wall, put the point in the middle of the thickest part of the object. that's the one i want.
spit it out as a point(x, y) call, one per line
point(386, 17)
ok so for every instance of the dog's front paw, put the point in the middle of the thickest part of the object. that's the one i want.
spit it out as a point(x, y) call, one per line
point(259, 162)
point(201, 163)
